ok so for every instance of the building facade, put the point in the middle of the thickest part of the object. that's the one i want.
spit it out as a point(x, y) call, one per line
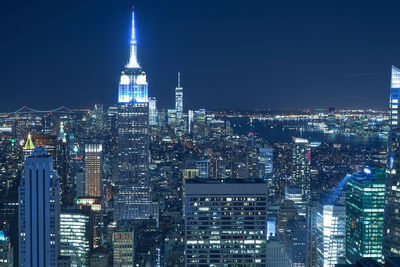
point(124, 252)
point(133, 199)
point(93, 170)
point(391, 234)
point(75, 237)
point(365, 202)
point(39, 211)
point(331, 235)
point(225, 222)
point(301, 159)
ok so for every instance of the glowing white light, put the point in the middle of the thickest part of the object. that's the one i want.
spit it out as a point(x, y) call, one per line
point(124, 79)
point(395, 77)
point(367, 171)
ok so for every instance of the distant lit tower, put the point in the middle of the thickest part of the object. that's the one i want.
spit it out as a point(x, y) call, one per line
point(365, 202)
point(93, 170)
point(301, 166)
point(179, 99)
point(29, 146)
point(265, 158)
point(391, 235)
point(133, 199)
point(153, 113)
point(39, 211)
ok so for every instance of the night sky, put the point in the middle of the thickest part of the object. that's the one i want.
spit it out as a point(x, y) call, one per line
point(232, 54)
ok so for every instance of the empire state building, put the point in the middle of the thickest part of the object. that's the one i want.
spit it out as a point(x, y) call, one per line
point(133, 198)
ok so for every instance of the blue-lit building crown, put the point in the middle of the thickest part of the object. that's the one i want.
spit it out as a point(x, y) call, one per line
point(133, 87)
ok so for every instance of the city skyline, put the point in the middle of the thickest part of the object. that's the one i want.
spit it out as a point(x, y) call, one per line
point(327, 50)
point(139, 182)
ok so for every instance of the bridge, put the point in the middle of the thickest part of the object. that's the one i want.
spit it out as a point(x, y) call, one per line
point(26, 109)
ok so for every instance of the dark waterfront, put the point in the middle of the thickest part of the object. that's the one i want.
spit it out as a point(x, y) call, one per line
point(283, 131)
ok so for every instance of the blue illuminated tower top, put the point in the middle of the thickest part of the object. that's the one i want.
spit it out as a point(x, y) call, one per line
point(133, 87)
point(133, 61)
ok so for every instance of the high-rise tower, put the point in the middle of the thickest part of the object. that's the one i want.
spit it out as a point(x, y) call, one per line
point(133, 86)
point(133, 199)
point(93, 170)
point(179, 99)
point(39, 211)
point(391, 234)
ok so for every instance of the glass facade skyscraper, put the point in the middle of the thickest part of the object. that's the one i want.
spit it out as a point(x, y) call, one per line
point(179, 99)
point(75, 237)
point(365, 202)
point(331, 235)
point(391, 234)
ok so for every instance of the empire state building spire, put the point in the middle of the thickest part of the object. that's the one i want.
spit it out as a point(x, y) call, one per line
point(133, 61)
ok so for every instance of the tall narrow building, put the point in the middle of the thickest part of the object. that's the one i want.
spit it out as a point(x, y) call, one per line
point(179, 99)
point(391, 234)
point(153, 113)
point(301, 166)
point(93, 170)
point(365, 202)
point(133, 199)
point(39, 211)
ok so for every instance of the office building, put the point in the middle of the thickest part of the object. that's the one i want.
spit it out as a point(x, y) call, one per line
point(202, 166)
point(365, 202)
point(153, 113)
point(75, 236)
point(39, 211)
point(6, 250)
point(266, 162)
point(179, 99)
point(301, 159)
point(124, 249)
point(100, 258)
point(133, 199)
point(391, 234)
point(291, 230)
point(296, 195)
point(276, 253)
point(225, 222)
point(330, 234)
point(93, 170)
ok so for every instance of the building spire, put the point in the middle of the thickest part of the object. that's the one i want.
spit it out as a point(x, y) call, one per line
point(133, 61)
point(179, 79)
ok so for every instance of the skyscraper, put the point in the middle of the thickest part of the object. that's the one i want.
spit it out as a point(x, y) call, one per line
point(133, 199)
point(265, 159)
point(331, 234)
point(75, 236)
point(179, 99)
point(391, 235)
point(124, 249)
point(301, 165)
point(365, 201)
point(39, 211)
point(6, 250)
point(225, 222)
point(93, 170)
point(301, 172)
point(153, 113)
